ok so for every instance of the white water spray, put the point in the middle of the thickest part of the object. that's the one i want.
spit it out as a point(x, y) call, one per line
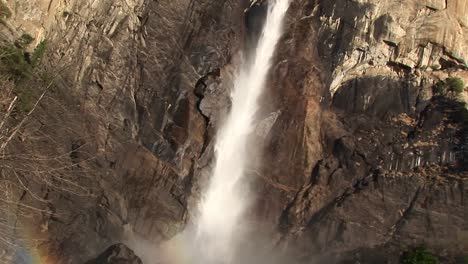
point(224, 204)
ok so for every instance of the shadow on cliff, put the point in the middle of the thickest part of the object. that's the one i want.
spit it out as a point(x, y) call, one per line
point(390, 153)
point(436, 127)
point(377, 96)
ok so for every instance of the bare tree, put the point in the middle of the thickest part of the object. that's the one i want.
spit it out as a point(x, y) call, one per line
point(33, 162)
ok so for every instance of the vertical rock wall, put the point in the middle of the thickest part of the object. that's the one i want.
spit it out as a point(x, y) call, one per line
point(359, 154)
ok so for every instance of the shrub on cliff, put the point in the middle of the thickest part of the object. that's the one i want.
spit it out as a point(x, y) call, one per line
point(419, 255)
point(439, 88)
point(16, 62)
point(19, 66)
point(38, 53)
point(455, 85)
point(24, 41)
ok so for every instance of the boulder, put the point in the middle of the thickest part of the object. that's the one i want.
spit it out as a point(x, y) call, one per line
point(116, 254)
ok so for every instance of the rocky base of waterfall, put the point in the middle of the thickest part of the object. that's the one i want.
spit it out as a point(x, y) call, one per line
point(116, 254)
point(363, 128)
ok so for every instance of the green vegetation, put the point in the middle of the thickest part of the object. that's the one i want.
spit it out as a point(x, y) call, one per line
point(455, 85)
point(419, 255)
point(4, 10)
point(439, 88)
point(25, 98)
point(38, 53)
point(436, 67)
point(16, 62)
point(24, 41)
point(19, 66)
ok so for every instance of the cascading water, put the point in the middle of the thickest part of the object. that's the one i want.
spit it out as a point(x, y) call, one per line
point(224, 203)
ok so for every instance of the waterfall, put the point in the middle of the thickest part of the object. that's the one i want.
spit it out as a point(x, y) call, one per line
point(224, 202)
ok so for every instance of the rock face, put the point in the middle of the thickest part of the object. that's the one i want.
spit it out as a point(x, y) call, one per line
point(380, 129)
point(360, 155)
point(116, 254)
point(128, 70)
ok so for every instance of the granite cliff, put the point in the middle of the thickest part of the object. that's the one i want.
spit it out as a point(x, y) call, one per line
point(365, 152)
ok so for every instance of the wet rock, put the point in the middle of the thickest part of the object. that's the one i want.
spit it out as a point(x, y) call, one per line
point(116, 254)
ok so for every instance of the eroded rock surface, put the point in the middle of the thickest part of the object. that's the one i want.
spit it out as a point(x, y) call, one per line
point(379, 125)
point(360, 155)
point(116, 254)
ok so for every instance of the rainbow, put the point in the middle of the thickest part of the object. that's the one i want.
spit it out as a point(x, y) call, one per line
point(178, 250)
point(28, 249)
